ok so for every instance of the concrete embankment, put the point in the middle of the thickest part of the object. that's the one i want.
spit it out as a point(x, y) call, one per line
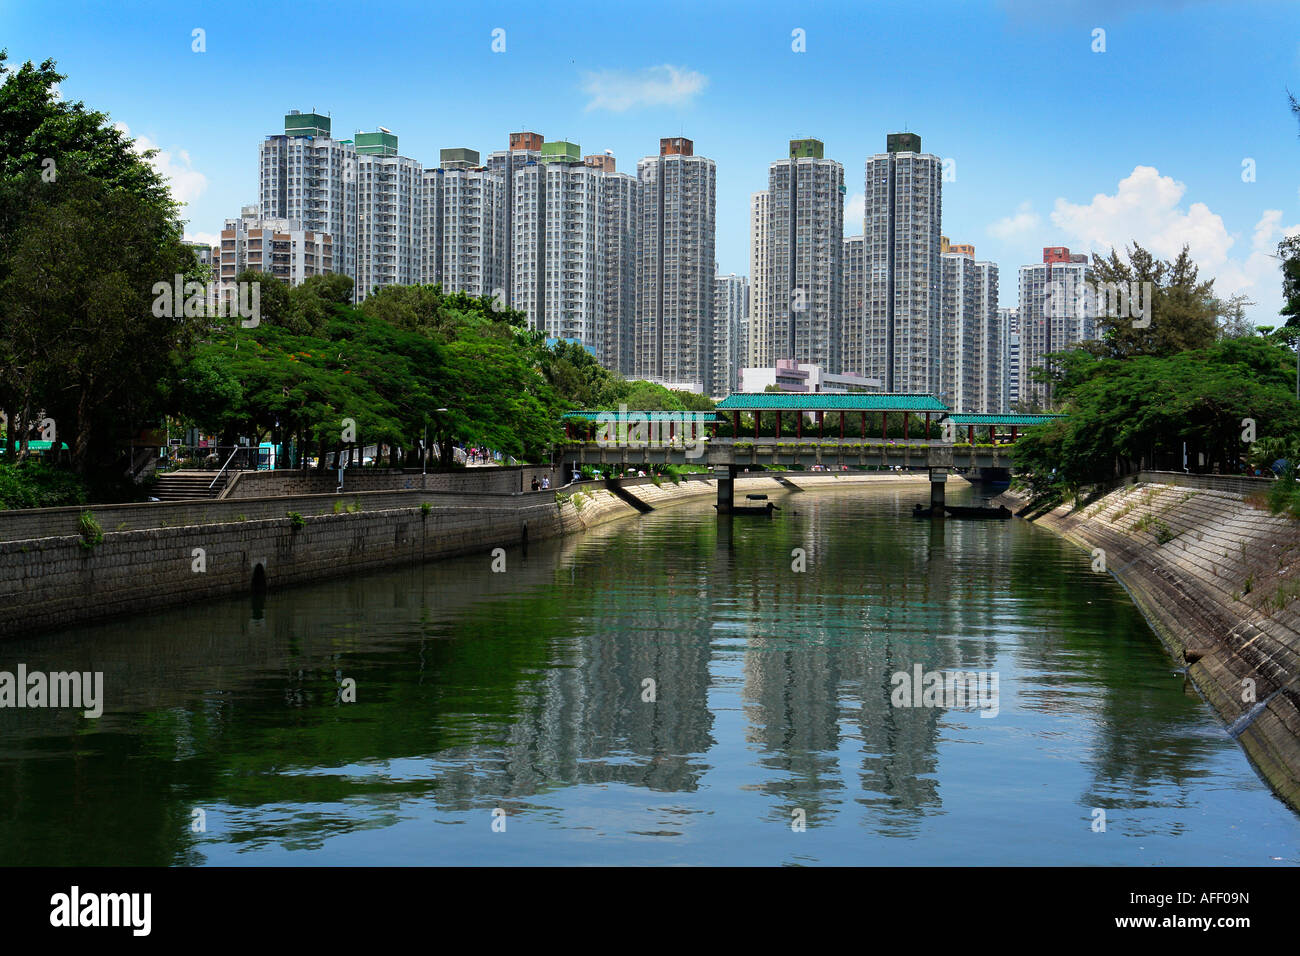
point(1219, 581)
point(164, 554)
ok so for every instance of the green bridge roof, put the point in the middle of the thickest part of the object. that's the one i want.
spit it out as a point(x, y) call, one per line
point(1002, 419)
point(826, 402)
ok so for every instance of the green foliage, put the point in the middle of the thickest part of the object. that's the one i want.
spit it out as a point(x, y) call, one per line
point(34, 484)
point(91, 532)
point(1284, 494)
point(1183, 307)
point(1122, 409)
point(425, 509)
point(87, 227)
point(297, 521)
point(1289, 251)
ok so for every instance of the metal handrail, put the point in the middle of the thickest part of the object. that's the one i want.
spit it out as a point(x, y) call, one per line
point(224, 467)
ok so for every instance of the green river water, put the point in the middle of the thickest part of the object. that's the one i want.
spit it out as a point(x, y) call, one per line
point(509, 718)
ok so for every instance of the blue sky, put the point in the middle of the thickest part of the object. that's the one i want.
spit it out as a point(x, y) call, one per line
point(1053, 143)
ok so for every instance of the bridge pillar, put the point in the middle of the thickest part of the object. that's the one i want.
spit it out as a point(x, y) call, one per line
point(726, 478)
point(938, 477)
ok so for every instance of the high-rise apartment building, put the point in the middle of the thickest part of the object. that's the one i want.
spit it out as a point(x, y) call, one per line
point(280, 247)
point(902, 252)
point(572, 260)
point(618, 210)
point(853, 288)
point(730, 311)
point(525, 148)
point(464, 226)
point(1052, 317)
point(390, 214)
point(759, 334)
point(970, 336)
point(1009, 320)
point(673, 334)
point(310, 178)
point(984, 394)
point(805, 229)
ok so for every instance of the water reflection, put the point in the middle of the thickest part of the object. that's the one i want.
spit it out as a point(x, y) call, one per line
point(672, 684)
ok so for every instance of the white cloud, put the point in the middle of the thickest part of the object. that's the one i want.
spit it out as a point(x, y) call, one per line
point(186, 182)
point(621, 90)
point(1145, 209)
point(854, 212)
point(1009, 227)
point(207, 238)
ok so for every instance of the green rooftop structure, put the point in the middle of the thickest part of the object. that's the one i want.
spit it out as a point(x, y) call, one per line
point(458, 158)
point(306, 124)
point(806, 149)
point(1020, 421)
point(382, 143)
point(561, 151)
point(902, 143)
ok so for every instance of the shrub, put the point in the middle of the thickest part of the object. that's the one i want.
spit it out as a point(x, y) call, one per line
point(90, 530)
point(34, 484)
point(425, 509)
point(297, 521)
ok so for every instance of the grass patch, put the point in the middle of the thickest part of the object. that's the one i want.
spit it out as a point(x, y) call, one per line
point(1286, 592)
point(90, 530)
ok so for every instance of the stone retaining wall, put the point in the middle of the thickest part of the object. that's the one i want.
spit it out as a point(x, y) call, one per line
point(57, 581)
point(503, 480)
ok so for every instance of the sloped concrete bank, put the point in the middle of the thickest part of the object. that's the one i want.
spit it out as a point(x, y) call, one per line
point(167, 554)
point(1219, 582)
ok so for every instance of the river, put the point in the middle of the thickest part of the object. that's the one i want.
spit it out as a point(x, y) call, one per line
point(668, 689)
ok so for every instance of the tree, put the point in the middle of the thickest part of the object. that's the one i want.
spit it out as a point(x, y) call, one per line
point(1124, 411)
point(82, 337)
point(1183, 307)
point(1235, 325)
point(87, 227)
point(1288, 251)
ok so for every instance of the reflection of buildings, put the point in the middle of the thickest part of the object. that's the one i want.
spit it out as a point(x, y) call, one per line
point(479, 688)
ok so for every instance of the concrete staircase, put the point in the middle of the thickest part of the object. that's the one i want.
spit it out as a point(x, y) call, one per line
point(188, 485)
